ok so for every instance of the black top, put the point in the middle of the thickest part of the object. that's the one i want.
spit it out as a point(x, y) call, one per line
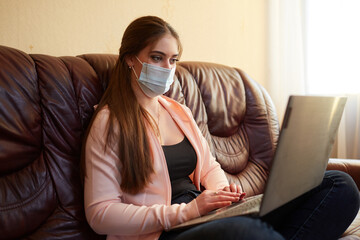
point(181, 161)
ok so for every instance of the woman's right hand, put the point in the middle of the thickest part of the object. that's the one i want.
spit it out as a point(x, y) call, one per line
point(210, 200)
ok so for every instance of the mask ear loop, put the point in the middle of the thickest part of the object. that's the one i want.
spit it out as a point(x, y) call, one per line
point(132, 68)
point(139, 60)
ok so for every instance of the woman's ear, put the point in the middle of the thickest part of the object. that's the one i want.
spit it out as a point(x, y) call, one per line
point(129, 61)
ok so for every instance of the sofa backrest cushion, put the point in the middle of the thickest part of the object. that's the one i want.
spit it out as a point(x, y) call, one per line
point(46, 104)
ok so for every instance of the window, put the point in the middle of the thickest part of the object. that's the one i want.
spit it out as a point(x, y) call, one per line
point(332, 43)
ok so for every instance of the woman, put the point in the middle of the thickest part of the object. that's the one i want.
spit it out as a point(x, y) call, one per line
point(145, 158)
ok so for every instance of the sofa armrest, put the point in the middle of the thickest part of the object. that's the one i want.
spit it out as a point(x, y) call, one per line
point(350, 166)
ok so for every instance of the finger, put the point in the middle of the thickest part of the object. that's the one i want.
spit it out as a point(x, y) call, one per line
point(225, 193)
point(227, 189)
point(233, 187)
point(225, 196)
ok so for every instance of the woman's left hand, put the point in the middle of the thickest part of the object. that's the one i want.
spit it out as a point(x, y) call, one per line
point(235, 188)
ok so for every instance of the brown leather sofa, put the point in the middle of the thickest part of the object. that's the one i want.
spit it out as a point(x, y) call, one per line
point(46, 105)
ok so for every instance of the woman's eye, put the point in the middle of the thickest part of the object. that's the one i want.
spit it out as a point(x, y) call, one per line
point(156, 58)
point(173, 60)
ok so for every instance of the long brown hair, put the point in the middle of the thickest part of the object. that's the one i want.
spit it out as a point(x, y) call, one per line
point(126, 112)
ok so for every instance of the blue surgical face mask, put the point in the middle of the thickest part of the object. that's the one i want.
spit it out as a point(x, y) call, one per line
point(155, 80)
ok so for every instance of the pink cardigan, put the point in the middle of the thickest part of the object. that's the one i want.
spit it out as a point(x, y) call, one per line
point(145, 215)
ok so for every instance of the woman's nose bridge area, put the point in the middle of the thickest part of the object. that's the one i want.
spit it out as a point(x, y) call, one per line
point(167, 64)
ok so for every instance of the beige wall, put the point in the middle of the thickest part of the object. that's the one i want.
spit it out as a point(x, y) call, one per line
point(230, 32)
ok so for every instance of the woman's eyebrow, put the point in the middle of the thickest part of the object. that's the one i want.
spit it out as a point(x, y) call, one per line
point(161, 53)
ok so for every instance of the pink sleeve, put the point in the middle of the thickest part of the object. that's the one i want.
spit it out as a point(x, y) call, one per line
point(105, 209)
point(212, 175)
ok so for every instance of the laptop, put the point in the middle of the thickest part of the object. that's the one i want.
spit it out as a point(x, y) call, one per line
point(306, 138)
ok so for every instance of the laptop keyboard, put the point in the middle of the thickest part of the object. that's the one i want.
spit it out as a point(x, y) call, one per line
point(247, 206)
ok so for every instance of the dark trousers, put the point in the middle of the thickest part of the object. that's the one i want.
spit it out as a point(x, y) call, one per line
point(322, 213)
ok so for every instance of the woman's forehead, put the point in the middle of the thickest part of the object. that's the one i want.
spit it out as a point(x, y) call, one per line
point(166, 44)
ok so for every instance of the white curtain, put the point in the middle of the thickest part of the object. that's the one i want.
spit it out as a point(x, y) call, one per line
point(348, 142)
point(285, 51)
point(293, 71)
